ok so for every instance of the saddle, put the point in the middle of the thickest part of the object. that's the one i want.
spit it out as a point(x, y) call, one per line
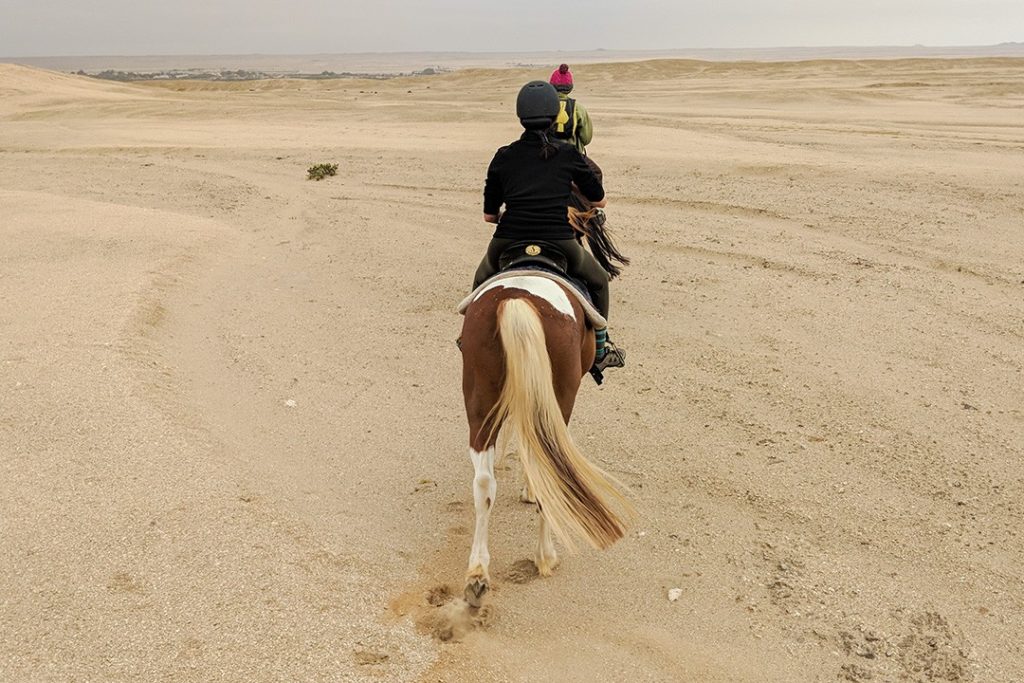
point(538, 255)
point(542, 259)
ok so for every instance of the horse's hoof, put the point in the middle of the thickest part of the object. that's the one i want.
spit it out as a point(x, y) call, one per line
point(546, 567)
point(525, 496)
point(475, 591)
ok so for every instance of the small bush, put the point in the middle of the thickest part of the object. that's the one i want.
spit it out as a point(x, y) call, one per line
point(321, 171)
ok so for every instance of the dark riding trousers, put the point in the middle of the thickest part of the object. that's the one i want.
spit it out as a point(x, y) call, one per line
point(579, 264)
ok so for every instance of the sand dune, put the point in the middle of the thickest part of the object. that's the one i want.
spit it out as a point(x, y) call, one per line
point(23, 88)
point(231, 435)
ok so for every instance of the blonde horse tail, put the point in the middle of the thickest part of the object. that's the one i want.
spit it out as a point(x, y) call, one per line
point(576, 497)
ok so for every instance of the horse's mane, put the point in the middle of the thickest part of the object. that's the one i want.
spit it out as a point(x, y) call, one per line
point(590, 223)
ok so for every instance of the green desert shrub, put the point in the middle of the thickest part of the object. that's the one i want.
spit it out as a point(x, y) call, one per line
point(321, 171)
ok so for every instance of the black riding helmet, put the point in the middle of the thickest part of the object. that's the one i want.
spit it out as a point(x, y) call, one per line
point(537, 105)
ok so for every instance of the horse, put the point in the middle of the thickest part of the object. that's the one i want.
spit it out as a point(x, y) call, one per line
point(527, 383)
point(526, 345)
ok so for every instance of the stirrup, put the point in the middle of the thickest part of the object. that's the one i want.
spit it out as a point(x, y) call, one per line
point(614, 357)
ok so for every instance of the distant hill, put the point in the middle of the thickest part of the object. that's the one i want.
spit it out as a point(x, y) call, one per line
point(405, 62)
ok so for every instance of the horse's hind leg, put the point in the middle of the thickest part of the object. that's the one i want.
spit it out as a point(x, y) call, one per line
point(508, 447)
point(482, 379)
point(546, 558)
point(484, 489)
point(481, 393)
point(512, 448)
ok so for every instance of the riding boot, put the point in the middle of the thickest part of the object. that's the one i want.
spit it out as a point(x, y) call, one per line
point(607, 356)
point(613, 357)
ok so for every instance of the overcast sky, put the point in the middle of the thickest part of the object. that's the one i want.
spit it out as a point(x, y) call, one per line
point(107, 27)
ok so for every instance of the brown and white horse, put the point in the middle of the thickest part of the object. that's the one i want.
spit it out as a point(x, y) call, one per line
point(526, 345)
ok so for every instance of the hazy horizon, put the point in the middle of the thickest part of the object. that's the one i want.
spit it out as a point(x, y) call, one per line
point(396, 63)
point(310, 27)
point(684, 49)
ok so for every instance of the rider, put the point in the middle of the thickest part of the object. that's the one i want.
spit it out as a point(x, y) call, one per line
point(533, 178)
point(573, 122)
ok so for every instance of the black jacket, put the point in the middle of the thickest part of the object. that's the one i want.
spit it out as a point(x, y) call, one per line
point(536, 191)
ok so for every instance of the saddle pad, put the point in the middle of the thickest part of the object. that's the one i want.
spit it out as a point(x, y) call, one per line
point(595, 318)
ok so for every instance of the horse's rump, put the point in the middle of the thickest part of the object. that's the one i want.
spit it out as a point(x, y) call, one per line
point(509, 279)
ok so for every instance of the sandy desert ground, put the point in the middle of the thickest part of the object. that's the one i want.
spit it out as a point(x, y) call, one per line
point(232, 445)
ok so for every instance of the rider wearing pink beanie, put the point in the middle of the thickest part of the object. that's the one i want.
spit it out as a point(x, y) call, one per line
point(573, 122)
point(561, 78)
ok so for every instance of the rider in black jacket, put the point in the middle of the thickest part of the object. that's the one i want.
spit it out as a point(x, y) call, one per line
point(533, 178)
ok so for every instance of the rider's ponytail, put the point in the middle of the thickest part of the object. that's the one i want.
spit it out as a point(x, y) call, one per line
point(547, 148)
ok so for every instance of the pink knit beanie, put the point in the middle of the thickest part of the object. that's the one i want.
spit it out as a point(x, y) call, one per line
point(561, 77)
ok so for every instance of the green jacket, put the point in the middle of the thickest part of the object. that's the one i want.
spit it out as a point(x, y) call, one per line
point(583, 129)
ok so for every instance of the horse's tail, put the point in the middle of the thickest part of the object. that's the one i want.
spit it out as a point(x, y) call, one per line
point(575, 496)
